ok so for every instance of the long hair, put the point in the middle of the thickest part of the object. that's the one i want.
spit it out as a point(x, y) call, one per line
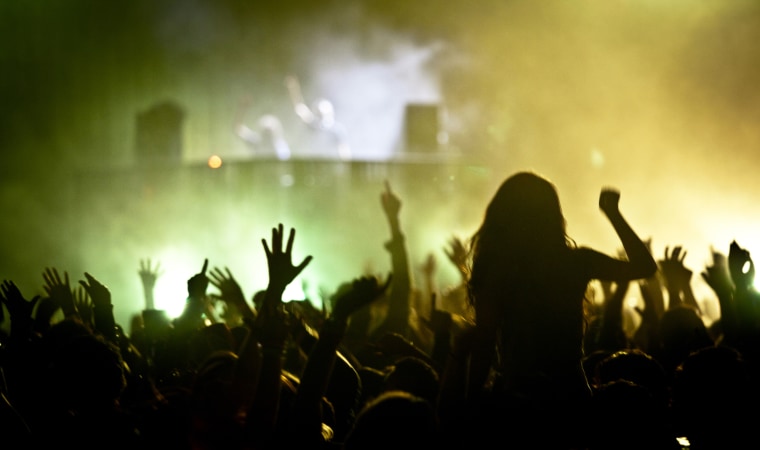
point(523, 230)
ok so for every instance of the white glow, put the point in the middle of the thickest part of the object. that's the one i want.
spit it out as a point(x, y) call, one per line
point(170, 292)
point(597, 158)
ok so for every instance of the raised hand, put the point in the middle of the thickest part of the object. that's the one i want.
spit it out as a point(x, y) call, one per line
point(198, 283)
point(609, 200)
point(741, 267)
point(677, 278)
point(59, 290)
point(149, 273)
point(84, 306)
point(361, 292)
point(281, 269)
point(19, 309)
point(677, 275)
point(717, 274)
point(390, 202)
point(99, 293)
point(148, 276)
point(230, 291)
point(457, 254)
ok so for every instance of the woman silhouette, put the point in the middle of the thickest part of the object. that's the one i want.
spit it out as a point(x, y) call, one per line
point(528, 283)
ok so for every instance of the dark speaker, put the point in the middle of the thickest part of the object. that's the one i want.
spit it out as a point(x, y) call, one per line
point(159, 135)
point(421, 125)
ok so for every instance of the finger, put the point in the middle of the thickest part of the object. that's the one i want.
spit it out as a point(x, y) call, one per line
point(266, 248)
point(205, 266)
point(66, 277)
point(48, 279)
point(291, 237)
point(277, 238)
point(229, 274)
point(303, 264)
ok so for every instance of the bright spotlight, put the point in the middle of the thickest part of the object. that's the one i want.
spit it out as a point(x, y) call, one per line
point(215, 162)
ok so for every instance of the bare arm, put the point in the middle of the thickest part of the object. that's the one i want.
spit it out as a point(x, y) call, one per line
point(640, 263)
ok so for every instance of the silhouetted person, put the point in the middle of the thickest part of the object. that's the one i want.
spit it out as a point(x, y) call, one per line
point(528, 285)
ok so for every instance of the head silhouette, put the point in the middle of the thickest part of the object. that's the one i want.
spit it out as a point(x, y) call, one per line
point(525, 210)
point(522, 235)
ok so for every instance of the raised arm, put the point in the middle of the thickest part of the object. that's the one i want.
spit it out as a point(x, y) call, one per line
point(102, 308)
point(19, 310)
point(270, 330)
point(718, 277)
point(677, 278)
point(746, 298)
point(148, 275)
point(232, 295)
point(397, 319)
point(458, 255)
point(640, 263)
point(59, 290)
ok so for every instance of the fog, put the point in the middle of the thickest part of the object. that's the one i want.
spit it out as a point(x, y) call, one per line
point(658, 100)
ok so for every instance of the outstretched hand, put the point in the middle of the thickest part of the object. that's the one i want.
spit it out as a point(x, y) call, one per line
point(19, 309)
point(229, 289)
point(457, 254)
point(59, 290)
point(676, 274)
point(99, 293)
point(149, 273)
point(84, 306)
point(281, 269)
point(361, 292)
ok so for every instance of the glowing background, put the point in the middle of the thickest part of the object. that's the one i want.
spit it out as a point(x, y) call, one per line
point(657, 98)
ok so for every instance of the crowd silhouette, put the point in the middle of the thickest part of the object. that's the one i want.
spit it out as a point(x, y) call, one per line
point(522, 353)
